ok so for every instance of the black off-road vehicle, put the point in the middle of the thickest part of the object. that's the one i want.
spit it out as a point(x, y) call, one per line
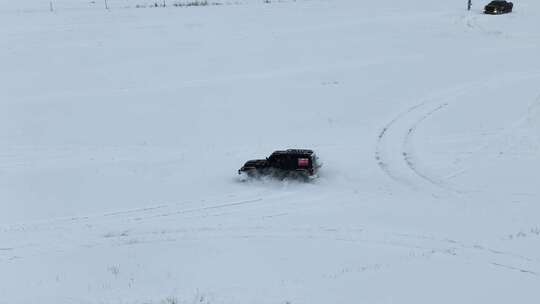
point(281, 164)
point(498, 7)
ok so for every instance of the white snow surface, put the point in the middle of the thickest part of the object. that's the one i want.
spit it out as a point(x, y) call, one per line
point(121, 132)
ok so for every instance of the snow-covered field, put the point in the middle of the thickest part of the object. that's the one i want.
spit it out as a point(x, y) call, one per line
point(121, 131)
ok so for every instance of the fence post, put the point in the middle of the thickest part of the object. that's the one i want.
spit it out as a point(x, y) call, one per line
point(469, 5)
point(51, 6)
point(106, 5)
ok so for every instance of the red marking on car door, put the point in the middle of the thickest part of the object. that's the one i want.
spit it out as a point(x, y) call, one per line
point(303, 162)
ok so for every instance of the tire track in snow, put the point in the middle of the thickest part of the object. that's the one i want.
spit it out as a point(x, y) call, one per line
point(393, 152)
point(410, 159)
point(206, 208)
point(146, 233)
point(394, 149)
point(516, 269)
point(381, 160)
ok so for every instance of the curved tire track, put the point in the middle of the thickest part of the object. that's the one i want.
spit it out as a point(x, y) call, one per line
point(410, 159)
point(393, 152)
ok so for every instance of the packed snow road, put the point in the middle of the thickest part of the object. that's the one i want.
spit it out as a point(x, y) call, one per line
point(122, 131)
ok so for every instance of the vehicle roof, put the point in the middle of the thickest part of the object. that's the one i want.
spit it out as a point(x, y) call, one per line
point(293, 151)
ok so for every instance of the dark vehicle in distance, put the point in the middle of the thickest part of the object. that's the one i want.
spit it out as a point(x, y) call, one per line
point(286, 163)
point(498, 7)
